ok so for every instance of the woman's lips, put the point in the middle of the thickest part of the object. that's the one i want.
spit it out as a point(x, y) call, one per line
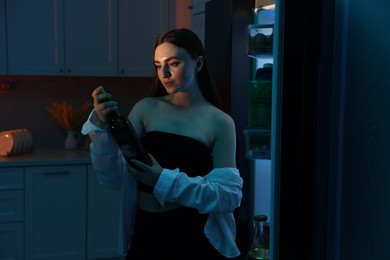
point(167, 83)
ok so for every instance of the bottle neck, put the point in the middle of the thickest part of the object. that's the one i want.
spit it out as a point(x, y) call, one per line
point(112, 115)
point(258, 227)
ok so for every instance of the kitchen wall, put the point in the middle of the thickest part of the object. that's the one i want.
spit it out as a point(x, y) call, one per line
point(24, 105)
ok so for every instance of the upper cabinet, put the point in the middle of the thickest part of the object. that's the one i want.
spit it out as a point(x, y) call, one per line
point(3, 46)
point(56, 37)
point(91, 37)
point(35, 37)
point(139, 24)
point(83, 38)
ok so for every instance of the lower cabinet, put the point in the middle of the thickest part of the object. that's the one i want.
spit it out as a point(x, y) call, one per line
point(55, 216)
point(11, 247)
point(11, 213)
point(69, 215)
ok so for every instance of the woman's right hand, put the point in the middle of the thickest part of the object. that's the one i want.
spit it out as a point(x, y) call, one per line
point(103, 104)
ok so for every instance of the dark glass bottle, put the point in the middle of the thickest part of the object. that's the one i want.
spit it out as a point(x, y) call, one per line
point(259, 248)
point(126, 137)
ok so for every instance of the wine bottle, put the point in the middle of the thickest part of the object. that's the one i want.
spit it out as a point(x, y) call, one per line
point(126, 137)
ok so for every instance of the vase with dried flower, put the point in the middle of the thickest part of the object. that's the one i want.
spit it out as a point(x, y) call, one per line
point(71, 118)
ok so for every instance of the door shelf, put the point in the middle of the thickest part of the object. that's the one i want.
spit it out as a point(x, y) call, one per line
point(258, 144)
point(260, 40)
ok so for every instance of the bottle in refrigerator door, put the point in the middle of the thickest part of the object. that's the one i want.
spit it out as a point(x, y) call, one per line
point(259, 249)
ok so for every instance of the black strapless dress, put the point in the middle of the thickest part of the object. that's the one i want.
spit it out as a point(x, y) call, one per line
point(177, 151)
point(179, 233)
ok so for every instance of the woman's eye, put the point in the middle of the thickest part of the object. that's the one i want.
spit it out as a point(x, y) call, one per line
point(173, 64)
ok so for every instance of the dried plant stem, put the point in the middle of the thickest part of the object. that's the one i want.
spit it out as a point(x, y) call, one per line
point(69, 117)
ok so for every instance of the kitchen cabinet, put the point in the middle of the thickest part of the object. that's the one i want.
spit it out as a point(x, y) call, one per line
point(102, 219)
point(3, 46)
point(139, 24)
point(52, 207)
point(55, 216)
point(84, 38)
point(11, 247)
point(11, 213)
point(62, 37)
point(91, 37)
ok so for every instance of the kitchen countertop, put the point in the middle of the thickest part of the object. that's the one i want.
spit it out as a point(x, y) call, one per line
point(46, 157)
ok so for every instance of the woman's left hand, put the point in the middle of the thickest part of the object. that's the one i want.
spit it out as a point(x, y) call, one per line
point(144, 173)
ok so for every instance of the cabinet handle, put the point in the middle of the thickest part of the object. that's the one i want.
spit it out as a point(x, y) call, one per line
point(69, 70)
point(61, 70)
point(57, 173)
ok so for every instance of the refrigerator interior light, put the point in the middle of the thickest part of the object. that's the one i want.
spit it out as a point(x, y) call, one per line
point(269, 7)
point(262, 3)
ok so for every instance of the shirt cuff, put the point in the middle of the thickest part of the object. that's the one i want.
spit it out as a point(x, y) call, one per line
point(91, 124)
point(102, 141)
point(164, 184)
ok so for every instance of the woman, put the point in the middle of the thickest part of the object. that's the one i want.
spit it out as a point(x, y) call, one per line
point(180, 207)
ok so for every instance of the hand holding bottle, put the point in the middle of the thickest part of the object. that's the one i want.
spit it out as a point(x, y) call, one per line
point(120, 127)
point(103, 105)
point(144, 173)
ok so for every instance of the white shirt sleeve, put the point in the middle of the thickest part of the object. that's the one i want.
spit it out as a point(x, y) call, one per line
point(220, 191)
point(106, 157)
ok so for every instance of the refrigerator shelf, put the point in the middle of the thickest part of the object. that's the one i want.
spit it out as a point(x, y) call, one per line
point(264, 56)
point(260, 40)
point(258, 144)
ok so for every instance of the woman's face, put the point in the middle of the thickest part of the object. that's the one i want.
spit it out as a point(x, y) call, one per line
point(175, 67)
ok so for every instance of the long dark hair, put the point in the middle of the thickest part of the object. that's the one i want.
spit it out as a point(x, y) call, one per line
point(189, 41)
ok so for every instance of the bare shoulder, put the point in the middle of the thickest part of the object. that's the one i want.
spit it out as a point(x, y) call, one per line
point(145, 102)
point(224, 148)
point(222, 119)
point(143, 105)
point(224, 128)
point(139, 112)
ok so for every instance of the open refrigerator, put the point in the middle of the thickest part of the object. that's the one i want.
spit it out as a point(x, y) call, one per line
point(234, 66)
point(259, 131)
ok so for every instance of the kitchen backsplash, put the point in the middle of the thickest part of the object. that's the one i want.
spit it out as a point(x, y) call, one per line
point(24, 105)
